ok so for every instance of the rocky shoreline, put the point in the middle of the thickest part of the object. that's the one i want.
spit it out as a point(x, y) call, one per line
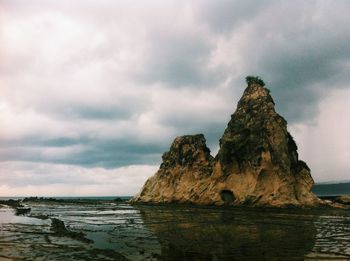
point(120, 231)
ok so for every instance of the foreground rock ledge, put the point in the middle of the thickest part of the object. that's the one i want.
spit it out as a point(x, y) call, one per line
point(257, 163)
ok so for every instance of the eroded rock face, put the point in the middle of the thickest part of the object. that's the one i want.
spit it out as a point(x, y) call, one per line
point(185, 169)
point(257, 163)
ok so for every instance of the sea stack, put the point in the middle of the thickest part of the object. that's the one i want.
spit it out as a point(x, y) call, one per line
point(257, 163)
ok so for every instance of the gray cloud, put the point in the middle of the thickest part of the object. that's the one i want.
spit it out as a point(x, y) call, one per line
point(113, 154)
point(301, 56)
point(179, 56)
point(83, 152)
point(110, 84)
point(225, 15)
point(97, 112)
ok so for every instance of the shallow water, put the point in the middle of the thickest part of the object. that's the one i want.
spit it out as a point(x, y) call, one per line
point(7, 216)
point(176, 233)
point(254, 234)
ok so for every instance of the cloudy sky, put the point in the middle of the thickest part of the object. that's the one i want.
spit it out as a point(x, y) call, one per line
point(93, 92)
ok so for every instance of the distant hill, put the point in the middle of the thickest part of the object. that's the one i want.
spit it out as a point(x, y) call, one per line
point(324, 189)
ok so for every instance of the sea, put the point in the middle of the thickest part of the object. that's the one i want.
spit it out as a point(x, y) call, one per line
point(331, 189)
point(321, 189)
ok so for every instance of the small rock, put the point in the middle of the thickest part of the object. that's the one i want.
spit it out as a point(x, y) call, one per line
point(58, 227)
point(344, 199)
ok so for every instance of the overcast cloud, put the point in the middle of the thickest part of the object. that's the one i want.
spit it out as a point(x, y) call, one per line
point(93, 92)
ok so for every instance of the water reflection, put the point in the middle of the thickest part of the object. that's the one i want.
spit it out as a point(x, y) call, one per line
point(195, 233)
point(7, 216)
point(177, 233)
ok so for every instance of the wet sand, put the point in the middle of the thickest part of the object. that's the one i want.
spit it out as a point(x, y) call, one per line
point(120, 231)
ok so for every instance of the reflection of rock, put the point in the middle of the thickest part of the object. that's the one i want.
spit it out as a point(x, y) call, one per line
point(257, 163)
point(195, 233)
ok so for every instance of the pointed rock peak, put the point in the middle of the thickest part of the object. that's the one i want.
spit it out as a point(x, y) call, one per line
point(196, 141)
point(255, 96)
point(255, 88)
point(186, 150)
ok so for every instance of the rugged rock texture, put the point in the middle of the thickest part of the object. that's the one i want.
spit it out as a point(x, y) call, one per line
point(257, 163)
point(184, 173)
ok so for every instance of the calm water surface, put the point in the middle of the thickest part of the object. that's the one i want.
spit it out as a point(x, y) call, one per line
point(122, 231)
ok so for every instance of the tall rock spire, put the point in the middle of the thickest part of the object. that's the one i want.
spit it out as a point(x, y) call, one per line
point(257, 146)
point(257, 163)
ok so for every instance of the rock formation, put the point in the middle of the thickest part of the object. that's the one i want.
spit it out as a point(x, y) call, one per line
point(257, 163)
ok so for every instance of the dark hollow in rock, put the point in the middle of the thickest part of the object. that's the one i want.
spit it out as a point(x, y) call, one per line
point(227, 196)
